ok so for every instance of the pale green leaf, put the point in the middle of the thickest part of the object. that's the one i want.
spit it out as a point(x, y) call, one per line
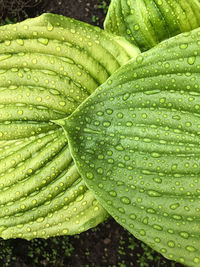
point(48, 66)
point(136, 143)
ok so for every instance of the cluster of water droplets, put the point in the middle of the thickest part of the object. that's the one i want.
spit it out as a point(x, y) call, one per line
point(136, 143)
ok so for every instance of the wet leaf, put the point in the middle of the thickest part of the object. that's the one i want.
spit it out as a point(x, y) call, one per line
point(48, 66)
point(136, 143)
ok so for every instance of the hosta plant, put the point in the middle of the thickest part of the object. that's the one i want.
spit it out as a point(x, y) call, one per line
point(85, 135)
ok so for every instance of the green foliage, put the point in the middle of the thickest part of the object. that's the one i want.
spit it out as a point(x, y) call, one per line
point(103, 5)
point(133, 137)
point(48, 66)
point(147, 22)
point(8, 21)
point(52, 251)
point(39, 252)
point(140, 131)
point(95, 20)
point(6, 253)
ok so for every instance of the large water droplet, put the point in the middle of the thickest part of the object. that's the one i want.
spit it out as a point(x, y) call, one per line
point(191, 60)
point(112, 193)
point(153, 193)
point(89, 175)
point(125, 200)
point(171, 244)
point(174, 206)
point(191, 248)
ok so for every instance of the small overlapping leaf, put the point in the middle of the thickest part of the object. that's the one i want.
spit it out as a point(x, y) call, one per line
point(136, 143)
point(147, 22)
point(48, 66)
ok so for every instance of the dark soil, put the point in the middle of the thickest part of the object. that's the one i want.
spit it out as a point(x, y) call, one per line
point(90, 11)
point(108, 245)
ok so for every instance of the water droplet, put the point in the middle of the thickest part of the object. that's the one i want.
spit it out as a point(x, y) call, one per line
point(152, 92)
point(174, 206)
point(62, 103)
point(142, 232)
point(157, 180)
point(177, 217)
point(89, 175)
point(133, 216)
point(196, 260)
point(100, 185)
point(119, 147)
point(126, 96)
point(144, 115)
point(121, 210)
point(150, 210)
point(183, 46)
point(112, 193)
point(43, 41)
point(153, 193)
point(106, 124)
point(136, 27)
point(20, 42)
point(34, 61)
point(49, 27)
point(125, 200)
point(120, 115)
point(145, 220)
point(191, 248)
point(41, 219)
point(155, 155)
point(100, 113)
point(176, 117)
point(139, 59)
point(191, 60)
point(171, 244)
point(129, 124)
point(157, 227)
point(20, 112)
point(65, 231)
point(100, 170)
point(184, 235)
point(109, 111)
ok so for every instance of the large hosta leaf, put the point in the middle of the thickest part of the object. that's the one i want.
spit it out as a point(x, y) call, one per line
point(48, 66)
point(147, 22)
point(136, 143)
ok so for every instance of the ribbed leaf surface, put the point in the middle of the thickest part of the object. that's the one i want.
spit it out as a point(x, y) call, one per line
point(48, 66)
point(147, 22)
point(136, 143)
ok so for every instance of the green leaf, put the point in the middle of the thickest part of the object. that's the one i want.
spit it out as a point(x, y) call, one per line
point(48, 66)
point(41, 191)
point(146, 23)
point(136, 143)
